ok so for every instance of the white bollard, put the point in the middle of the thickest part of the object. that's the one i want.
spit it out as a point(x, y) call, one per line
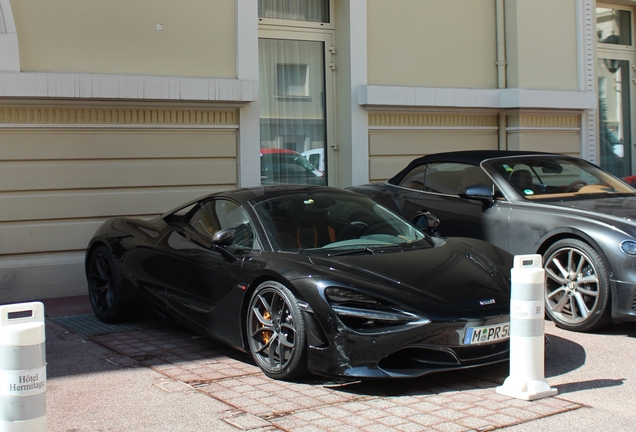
point(22, 368)
point(527, 331)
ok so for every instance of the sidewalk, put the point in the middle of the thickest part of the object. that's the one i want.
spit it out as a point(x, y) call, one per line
point(153, 376)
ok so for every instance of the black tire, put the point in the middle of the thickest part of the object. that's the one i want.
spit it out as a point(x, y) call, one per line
point(276, 332)
point(577, 286)
point(104, 289)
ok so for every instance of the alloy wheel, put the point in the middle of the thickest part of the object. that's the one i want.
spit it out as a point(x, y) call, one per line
point(573, 286)
point(276, 331)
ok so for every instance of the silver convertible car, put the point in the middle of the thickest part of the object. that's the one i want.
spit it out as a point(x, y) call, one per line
point(579, 217)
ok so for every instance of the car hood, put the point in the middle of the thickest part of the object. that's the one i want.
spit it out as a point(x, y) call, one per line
point(621, 207)
point(451, 279)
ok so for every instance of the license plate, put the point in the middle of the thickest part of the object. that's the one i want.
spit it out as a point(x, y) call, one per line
point(491, 333)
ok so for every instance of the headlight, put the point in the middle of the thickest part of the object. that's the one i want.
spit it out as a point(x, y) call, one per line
point(364, 313)
point(629, 247)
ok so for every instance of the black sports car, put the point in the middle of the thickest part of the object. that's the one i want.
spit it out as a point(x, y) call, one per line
point(579, 217)
point(309, 278)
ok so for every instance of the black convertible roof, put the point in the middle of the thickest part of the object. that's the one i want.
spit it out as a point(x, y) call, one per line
point(473, 157)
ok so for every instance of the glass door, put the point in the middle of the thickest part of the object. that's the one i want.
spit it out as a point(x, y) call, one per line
point(296, 63)
point(614, 73)
point(615, 124)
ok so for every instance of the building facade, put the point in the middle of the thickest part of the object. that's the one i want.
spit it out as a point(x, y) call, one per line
point(126, 108)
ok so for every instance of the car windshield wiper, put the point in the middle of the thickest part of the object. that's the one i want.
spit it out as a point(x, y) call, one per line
point(365, 249)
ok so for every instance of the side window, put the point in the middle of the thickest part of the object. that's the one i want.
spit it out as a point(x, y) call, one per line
point(450, 177)
point(219, 214)
point(414, 179)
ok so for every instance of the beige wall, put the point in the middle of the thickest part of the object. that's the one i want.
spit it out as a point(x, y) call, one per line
point(65, 170)
point(432, 43)
point(541, 44)
point(545, 132)
point(121, 37)
point(396, 139)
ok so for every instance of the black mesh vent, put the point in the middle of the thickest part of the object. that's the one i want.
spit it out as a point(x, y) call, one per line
point(432, 358)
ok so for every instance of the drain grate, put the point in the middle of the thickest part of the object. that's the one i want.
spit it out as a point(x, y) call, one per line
point(89, 325)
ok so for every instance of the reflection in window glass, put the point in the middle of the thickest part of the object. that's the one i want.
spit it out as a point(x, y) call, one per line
point(614, 116)
point(613, 26)
point(296, 10)
point(292, 80)
point(292, 110)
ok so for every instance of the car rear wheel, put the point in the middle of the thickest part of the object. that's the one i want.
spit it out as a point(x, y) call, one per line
point(276, 332)
point(103, 286)
point(577, 286)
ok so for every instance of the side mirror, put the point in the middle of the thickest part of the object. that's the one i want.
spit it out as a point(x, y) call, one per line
point(426, 221)
point(479, 191)
point(224, 237)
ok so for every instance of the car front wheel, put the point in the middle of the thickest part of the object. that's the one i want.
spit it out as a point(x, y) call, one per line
point(577, 286)
point(276, 332)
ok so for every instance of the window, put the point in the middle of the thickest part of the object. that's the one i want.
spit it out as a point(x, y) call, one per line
point(216, 215)
point(296, 10)
point(613, 26)
point(450, 177)
point(415, 178)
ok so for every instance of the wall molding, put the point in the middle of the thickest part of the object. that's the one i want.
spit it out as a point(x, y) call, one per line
point(545, 121)
point(98, 116)
point(136, 87)
point(430, 120)
point(372, 97)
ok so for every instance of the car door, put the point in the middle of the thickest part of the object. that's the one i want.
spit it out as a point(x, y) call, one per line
point(200, 281)
point(462, 217)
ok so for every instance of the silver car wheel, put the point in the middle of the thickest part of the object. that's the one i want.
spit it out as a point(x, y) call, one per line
point(576, 285)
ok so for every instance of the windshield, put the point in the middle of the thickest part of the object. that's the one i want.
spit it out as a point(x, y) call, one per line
point(331, 221)
point(540, 177)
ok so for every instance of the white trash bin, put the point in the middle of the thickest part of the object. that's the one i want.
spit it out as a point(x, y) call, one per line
point(22, 368)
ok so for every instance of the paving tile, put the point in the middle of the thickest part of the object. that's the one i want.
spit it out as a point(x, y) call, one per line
point(391, 420)
point(502, 419)
point(458, 406)
point(412, 427)
point(425, 406)
point(327, 423)
point(382, 403)
point(358, 421)
point(401, 411)
point(334, 412)
point(449, 427)
point(449, 414)
point(518, 413)
point(475, 423)
point(426, 419)
point(246, 421)
point(371, 413)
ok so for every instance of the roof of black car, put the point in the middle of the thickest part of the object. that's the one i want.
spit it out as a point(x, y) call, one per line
point(260, 193)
